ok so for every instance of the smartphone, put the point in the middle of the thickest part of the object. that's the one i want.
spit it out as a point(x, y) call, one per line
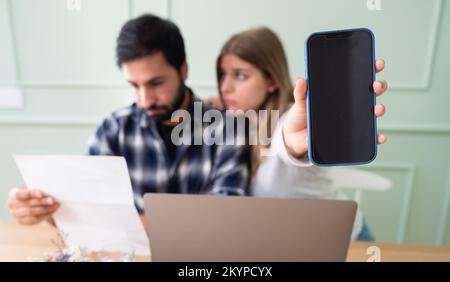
point(340, 71)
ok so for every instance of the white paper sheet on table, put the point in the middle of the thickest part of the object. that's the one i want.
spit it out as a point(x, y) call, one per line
point(96, 198)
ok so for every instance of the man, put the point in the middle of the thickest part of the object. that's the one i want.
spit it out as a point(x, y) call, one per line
point(151, 53)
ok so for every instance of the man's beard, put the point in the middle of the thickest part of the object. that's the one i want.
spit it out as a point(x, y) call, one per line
point(168, 110)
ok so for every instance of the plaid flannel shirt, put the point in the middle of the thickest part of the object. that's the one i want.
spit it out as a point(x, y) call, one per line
point(196, 169)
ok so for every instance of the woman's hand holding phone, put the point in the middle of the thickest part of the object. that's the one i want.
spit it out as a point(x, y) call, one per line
point(295, 131)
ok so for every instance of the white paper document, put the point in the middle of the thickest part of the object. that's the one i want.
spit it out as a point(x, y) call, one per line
point(96, 197)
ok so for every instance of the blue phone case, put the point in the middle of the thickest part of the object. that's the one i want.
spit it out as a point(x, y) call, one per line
point(307, 98)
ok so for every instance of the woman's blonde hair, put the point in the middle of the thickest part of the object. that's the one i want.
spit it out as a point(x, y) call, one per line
point(262, 48)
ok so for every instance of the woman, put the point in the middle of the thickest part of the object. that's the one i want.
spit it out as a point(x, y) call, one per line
point(252, 74)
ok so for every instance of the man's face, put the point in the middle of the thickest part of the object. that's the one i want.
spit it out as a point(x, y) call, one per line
point(158, 86)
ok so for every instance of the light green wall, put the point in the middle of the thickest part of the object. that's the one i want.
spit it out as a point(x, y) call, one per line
point(64, 63)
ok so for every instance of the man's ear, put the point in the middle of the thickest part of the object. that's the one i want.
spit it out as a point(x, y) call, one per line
point(184, 71)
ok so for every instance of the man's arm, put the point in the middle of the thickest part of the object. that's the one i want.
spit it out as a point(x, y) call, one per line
point(231, 172)
point(104, 140)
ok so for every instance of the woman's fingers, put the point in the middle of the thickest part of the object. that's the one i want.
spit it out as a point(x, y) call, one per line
point(380, 86)
point(380, 109)
point(300, 91)
point(382, 138)
point(379, 65)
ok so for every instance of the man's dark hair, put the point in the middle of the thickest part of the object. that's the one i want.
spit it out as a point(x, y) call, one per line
point(147, 35)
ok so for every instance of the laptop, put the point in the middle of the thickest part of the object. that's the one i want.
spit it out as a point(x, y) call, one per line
point(205, 228)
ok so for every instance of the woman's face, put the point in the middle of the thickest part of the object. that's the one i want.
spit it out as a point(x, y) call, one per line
point(242, 85)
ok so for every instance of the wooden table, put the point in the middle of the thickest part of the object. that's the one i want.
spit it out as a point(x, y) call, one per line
point(18, 242)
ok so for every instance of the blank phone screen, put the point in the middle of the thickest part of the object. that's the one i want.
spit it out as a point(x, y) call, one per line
point(341, 97)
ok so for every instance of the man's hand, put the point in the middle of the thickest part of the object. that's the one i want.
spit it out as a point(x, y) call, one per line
point(295, 131)
point(31, 206)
